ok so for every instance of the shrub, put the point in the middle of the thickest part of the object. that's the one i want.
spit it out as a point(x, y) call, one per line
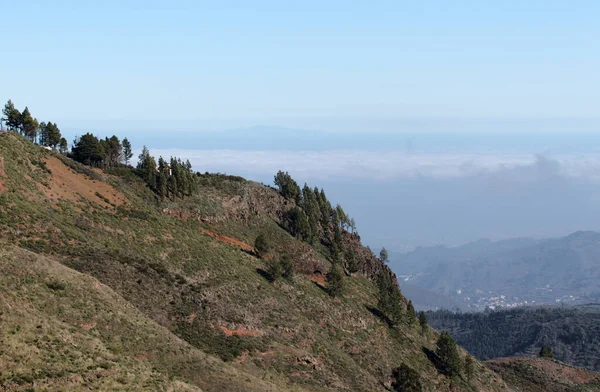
point(287, 266)
point(274, 269)
point(261, 244)
point(546, 352)
point(56, 286)
point(406, 379)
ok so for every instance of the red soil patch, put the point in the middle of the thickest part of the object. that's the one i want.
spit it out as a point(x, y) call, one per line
point(227, 240)
point(318, 279)
point(192, 317)
point(143, 357)
point(72, 186)
point(87, 327)
point(239, 332)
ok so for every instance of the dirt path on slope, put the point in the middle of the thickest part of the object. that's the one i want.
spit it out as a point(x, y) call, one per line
point(227, 240)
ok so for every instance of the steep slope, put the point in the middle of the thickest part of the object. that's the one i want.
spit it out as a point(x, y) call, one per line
point(61, 329)
point(187, 269)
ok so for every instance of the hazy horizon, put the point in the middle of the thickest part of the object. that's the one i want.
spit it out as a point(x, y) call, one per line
point(430, 123)
point(412, 189)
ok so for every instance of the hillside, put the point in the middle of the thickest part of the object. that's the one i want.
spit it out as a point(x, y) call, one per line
point(543, 375)
point(105, 286)
point(509, 273)
point(573, 333)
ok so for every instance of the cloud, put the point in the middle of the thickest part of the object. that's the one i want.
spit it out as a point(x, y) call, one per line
point(386, 165)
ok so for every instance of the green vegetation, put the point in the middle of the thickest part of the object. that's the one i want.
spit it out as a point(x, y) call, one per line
point(26, 125)
point(335, 281)
point(423, 322)
point(546, 352)
point(261, 244)
point(383, 255)
point(146, 293)
point(390, 299)
point(540, 375)
point(448, 354)
point(571, 332)
point(406, 379)
point(469, 367)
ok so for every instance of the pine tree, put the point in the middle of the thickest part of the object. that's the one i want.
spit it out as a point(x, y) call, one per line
point(311, 208)
point(448, 354)
point(546, 352)
point(469, 367)
point(423, 322)
point(88, 150)
point(28, 125)
point(288, 187)
point(352, 225)
point(410, 310)
point(297, 224)
point(383, 255)
point(12, 116)
point(63, 146)
point(335, 281)
point(172, 188)
point(52, 136)
point(147, 167)
point(127, 152)
point(390, 298)
point(351, 261)
point(43, 136)
point(161, 185)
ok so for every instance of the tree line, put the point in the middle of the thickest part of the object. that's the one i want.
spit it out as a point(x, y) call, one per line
point(167, 179)
point(108, 152)
point(571, 333)
point(44, 133)
point(315, 220)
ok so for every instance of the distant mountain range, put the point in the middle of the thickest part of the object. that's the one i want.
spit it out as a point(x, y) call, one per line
point(507, 273)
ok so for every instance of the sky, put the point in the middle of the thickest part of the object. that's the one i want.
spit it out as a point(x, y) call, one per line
point(335, 65)
point(430, 122)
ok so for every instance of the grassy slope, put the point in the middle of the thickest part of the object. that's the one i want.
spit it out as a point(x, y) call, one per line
point(291, 334)
point(63, 329)
point(543, 375)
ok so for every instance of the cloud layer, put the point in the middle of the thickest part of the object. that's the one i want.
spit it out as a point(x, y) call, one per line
point(386, 165)
point(404, 199)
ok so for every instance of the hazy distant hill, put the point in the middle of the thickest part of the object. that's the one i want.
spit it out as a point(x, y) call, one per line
point(424, 299)
point(505, 273)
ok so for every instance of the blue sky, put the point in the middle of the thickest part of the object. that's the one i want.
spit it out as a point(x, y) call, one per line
point(335, 65)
